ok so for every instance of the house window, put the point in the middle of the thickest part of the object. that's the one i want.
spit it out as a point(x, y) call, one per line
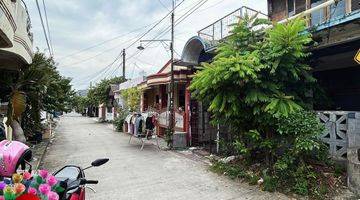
point(317, 17)
point(300, 6)
point(291, 7)
point(337, 10)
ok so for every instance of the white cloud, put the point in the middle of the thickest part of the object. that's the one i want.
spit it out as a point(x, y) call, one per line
point(78, 24)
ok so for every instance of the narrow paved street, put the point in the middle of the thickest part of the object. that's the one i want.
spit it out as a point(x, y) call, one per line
point(134, 174)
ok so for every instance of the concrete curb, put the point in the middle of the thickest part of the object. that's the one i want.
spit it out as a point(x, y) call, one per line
point(42, 155)
point(46, 147)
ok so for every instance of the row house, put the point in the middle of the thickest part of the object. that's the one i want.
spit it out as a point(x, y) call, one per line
point(335, 27)
point(16, 43)
point(107, 111)
point(336, 30)
point(155, 97)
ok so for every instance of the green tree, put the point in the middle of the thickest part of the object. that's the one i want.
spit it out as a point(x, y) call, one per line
point(100, 92)
point(257, 79)
point(132, 98)
point(38, 87)
point(79, 103)
point(257, 73)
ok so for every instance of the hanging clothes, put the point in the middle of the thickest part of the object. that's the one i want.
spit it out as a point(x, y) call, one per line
point(149, 123)
point(132, 124)
point(138, 125)
point(128, 123)
point(144, 117)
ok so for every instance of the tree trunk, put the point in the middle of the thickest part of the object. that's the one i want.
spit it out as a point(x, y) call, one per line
point(18, 133)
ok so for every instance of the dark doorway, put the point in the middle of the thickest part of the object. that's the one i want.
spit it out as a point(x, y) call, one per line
point(342, 86)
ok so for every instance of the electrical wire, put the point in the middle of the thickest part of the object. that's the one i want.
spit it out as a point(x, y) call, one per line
point(163, 5)
point(43, 26)
point(48, 29)
point(97, 55)
point(181, 19)
point(143, 35)
point(154, 25)
point(106, 41)
point(211, 6)
point(177, 22)
point(134, 42)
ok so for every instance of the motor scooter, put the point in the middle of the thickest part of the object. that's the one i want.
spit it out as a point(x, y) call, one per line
point(15, 156)
point(72, 179)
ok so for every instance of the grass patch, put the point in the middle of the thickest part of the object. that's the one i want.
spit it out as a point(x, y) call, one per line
point(320, 185)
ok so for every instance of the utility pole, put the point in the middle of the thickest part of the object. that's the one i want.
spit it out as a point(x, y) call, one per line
point(172, 84)
point(123, 63)
point(171, 89)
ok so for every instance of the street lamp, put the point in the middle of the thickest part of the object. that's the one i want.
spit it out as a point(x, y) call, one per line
point(172, 84)
point(140, 47)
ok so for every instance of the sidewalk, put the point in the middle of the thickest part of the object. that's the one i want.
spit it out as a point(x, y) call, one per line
point(39, 150)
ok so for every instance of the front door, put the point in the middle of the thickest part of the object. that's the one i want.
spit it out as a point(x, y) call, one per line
point(194, 117)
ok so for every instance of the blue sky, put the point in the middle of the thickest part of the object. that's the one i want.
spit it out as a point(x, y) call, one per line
point(79, 24)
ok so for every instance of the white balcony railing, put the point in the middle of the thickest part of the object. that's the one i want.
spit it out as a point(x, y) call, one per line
point(327, 13)
point(222, 27)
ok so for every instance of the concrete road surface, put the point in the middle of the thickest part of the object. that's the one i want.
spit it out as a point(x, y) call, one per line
point(133, 174)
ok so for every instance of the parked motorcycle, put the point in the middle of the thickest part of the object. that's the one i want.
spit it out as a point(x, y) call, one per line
point(72, 179)
point(15, 155)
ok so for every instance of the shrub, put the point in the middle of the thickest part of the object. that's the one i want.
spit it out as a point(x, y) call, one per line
point(259, 84)
point(270, 183)
point(120, 119)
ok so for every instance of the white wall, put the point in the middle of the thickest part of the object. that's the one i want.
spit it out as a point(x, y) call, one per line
point(22, 39)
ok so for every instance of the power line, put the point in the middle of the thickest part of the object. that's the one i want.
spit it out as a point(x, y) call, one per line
point(97, 73)
point(181, 19)
point(92, 57)
point(184, 16)
point(48, 29)
point(42, 23)
point(211, 6)
point(97, 55)
point(134, 42)
point(154, 25)
point(143, 35)
point(106, 41)
point(177, 23)
point(163, 5)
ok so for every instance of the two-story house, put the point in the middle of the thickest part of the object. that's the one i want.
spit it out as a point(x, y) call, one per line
point(16, 42)
point(336, 29)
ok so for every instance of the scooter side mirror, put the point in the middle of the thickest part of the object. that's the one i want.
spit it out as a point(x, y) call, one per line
point(99, 162)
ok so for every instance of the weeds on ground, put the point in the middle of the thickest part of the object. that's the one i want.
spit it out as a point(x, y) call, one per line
point(321, 183)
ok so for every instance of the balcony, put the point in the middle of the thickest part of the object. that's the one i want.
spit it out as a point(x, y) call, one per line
point(322, 14)
point(16, 39)
point(331, 21)
point(200, 48)
point(7, 24)
point(222, 28)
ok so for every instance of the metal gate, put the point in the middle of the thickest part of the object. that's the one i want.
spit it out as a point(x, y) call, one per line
point(203, 134)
